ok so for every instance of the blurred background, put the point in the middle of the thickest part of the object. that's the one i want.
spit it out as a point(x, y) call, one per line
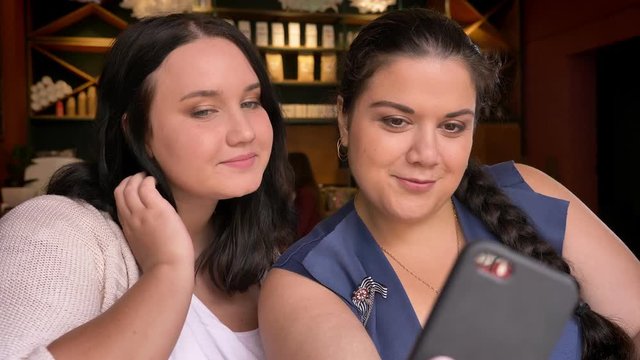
point(569, 104)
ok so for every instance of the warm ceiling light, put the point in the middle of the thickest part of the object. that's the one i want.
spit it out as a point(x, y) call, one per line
point(146, 8)
point(372, 6)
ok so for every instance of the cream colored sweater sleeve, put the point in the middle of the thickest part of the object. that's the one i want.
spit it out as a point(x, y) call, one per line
point(62, 263)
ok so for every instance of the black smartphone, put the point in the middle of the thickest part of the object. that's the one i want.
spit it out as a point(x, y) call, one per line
point(497, 304)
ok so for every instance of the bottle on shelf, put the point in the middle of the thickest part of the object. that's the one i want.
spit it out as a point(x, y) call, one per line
point(82, 104)
point(311, 35)
point(305, 67)
point(59, 108)
point(92, 103)
point(71, 106)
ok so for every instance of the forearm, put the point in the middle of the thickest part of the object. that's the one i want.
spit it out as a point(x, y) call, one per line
point(144, 323)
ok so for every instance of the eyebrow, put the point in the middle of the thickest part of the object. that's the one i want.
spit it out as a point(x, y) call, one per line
point(460, 112)
point(385, 103)
point(214, 93)
point(408, 110)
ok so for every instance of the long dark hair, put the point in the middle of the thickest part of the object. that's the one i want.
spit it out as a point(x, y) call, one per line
point(421, 32)
point(247, 230)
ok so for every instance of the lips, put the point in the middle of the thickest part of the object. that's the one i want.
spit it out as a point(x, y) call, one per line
point(417, 181)
point(414, 184)
point(241, 161)
point(414, 180)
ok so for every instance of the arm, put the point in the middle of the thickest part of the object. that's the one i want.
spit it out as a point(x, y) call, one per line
point(607, 270)
point(301, 319)
point(147, 320)
point(144, 323)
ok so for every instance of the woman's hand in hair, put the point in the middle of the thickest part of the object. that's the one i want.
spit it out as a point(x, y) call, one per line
point(155, 232)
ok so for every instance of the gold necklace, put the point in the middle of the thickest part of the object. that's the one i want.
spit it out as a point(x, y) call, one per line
point(455, 215)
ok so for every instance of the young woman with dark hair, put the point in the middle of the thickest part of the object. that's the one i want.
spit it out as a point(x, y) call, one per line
point(413, 88)
point(159, 247)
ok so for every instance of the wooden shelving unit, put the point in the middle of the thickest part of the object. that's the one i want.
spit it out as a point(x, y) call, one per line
point(71, 43)
point(287, 16)
point(50, 42)
point(301, 49)
point(59, 118)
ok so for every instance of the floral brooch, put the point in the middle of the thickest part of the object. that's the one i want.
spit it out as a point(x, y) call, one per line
point(363, 297)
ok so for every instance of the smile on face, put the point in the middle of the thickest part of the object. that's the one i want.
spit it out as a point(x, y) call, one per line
point(410, 135)
point(208, 129)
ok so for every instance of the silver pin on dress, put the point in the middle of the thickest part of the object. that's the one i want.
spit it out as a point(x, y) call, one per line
point(364, 295)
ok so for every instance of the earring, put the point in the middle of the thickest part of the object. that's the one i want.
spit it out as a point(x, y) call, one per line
point(342, 150)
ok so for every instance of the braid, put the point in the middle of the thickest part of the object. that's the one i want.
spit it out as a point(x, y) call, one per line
point(601, 338)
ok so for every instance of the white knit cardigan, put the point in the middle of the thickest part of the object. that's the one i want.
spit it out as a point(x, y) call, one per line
point(62, 263)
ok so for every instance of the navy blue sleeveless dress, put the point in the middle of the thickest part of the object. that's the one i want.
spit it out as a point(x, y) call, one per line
point(340, 252)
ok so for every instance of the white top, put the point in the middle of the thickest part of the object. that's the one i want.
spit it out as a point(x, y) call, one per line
point(204, 336)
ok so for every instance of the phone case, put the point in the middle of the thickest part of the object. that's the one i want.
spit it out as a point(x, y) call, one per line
point(498, 304)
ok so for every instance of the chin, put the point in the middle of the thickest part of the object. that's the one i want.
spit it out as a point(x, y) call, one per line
point(407, 217)
point(408, 213)
point(241, 190)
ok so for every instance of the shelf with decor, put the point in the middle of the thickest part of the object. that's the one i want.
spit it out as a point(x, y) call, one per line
point(61, 118)
point(327, 17)
point(65, 56)
point(299, 49)
point(73, 43)
point(308, 96)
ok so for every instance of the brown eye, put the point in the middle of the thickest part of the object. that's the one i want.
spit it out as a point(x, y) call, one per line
point(395, 122)
point(251, 104)
point(453, 127)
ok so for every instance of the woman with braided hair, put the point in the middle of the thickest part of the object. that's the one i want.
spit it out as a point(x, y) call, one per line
point(366, 278)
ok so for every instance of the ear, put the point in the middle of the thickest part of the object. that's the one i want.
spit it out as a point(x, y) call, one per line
point(343, 122)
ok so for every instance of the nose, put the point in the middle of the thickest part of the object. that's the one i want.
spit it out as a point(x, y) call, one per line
point(240, 129)
point(424, 149)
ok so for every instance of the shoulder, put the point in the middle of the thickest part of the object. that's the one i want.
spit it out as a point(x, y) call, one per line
point(57, 253)
point(55, 209)
point(542, 183)
point(54, 234)
point(540, 197)
point(525, 177)
point(58, 221)
point(61, 204)
point(293, 257)
point(298, 318)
